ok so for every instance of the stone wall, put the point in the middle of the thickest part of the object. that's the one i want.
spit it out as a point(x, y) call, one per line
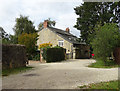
point(13, 56)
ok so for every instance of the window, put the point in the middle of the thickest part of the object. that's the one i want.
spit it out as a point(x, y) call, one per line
point(60, 43)
point(69, 38)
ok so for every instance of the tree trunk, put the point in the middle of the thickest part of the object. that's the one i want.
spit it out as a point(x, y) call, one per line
point(116, 54)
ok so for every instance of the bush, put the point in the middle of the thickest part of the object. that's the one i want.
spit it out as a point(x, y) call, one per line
point(37, 57)
point(106, 41)
point(54, 54)
point(29, 57)
point(44, 52)
point(29, 40)
point(44, 45)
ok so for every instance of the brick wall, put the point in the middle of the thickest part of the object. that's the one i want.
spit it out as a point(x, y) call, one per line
point(13, 56)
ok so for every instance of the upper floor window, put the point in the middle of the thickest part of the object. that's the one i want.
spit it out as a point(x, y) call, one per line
point(60, 43)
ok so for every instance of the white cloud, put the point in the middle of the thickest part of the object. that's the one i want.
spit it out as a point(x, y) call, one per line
point(38, 10)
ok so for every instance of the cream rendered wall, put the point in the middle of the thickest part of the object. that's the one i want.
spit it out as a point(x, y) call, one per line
point(46, 36)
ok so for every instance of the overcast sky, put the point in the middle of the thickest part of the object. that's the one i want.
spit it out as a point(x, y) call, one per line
point(62, 11)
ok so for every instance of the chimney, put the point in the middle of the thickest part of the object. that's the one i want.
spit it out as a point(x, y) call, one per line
point(45, 24)
point(67, 29)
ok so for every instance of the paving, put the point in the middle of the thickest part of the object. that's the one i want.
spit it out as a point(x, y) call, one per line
point(62, 75)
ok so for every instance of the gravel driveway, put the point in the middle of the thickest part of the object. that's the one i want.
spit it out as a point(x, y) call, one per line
point(64, 75)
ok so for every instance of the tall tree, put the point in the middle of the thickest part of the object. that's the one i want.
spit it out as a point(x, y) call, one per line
point(23, 25)
point(4, 36)
point(116, 9)
point(92, 13)
point(50, 24)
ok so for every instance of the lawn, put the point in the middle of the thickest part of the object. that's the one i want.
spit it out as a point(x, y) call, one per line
point(7, 72)
point(101, 64)
point(112, 85)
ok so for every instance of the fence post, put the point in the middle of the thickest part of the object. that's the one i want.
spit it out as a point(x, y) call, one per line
point(40, 56)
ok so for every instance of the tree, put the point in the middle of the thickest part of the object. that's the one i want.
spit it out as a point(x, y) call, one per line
point(13, 39)
point(106, 40)
point(50, 24)
point(4, 36)
point(23, 25)
point(29, 40)
point(91, 13)
point(116, 9)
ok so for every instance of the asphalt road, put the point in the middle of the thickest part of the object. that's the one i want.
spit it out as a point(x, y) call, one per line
point(64, 75)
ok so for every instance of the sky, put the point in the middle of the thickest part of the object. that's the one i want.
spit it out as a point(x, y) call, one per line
point(62, 11)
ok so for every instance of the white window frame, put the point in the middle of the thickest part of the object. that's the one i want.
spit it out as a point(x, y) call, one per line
point(60, 43)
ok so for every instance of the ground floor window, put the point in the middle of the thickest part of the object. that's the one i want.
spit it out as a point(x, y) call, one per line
point(60, 43)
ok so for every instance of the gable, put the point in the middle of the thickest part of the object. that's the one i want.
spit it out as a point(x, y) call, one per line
point(46, 36)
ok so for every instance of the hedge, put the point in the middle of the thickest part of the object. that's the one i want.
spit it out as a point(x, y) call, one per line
point(13, 56)
point(54, 54)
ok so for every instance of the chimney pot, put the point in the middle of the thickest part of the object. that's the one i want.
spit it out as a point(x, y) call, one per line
point(45, 24)
point(67, 29)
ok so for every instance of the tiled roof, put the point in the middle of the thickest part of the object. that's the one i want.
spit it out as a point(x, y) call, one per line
point(67, 36)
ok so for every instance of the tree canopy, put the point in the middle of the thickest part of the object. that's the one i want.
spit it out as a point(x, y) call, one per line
point(29, 40)
point(92, 13)
point(106, 40)
point(23, 25)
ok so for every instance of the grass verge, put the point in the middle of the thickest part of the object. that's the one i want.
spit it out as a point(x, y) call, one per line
point(101, 64)
point(111, 85)
point(6, 72)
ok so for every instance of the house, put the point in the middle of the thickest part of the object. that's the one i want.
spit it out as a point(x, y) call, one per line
point(65, 39)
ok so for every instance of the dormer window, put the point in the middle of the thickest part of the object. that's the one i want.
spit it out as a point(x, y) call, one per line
point(69, 38)
point(74, 39)
point(60, 43)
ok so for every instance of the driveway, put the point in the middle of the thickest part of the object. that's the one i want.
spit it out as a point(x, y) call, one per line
point(64, 75)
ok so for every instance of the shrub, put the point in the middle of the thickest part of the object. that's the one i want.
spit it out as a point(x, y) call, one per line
point(37, 57)
point(44, 52)
point(106, 41)
point(29, 40)
point(44, 45)
point(29, 57)
point(57, 46)
point(54, 54)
